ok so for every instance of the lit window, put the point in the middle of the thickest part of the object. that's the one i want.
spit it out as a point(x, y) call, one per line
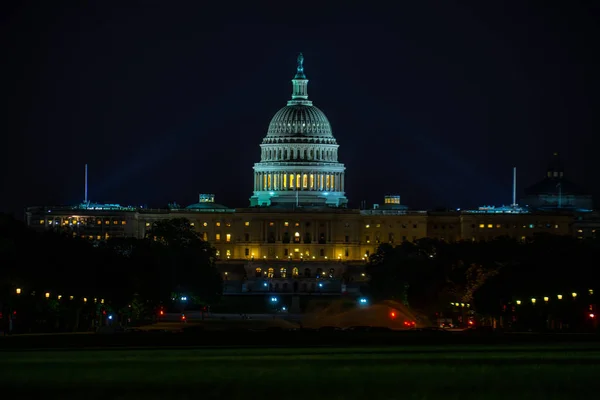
point(41, 222)
point(378, 225)
point(579, 230)
point(218, 253)
point(228, 252)
point(297, 234)
point(556, 226)
point(192, 224)
point(147, 224)
point(123, 222)
point(297, 224)
point(286, 223)
point(218, 237)
point(271, 223)
point(490, 225)
point(106, 222)
point(100, 222)
point(228, 237)
point(271, 273)
point(218, 224)
point(228, 224)
point(482, 225)
point(205, 224)
point(367, 226)
point(247, 223)
point(283, 272)
point(115, 222)
point(498, 226)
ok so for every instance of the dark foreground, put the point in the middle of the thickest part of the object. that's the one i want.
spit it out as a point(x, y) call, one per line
point(415, 367)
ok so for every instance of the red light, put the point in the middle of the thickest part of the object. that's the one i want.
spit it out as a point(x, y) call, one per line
point(15, 312)
point(470, 322)
point(183, 317)
point(592, 315)
point(162, 312)
point(393, 314)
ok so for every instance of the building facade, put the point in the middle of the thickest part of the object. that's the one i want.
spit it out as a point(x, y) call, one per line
point(298, 235)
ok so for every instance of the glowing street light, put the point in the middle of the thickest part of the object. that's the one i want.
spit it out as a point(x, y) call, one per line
point(518, 302)
point(18, 290)
point(546, 299)
point(559, 296)
point(533, 301)
point(574, 294)
point(47, 295)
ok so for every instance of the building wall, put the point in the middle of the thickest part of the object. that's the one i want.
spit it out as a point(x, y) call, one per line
point(255, 234)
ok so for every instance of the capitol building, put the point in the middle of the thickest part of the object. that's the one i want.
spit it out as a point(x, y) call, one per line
point(298, 235)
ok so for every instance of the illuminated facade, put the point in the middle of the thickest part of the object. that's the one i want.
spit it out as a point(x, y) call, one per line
point(299, 156)
point(298, 235)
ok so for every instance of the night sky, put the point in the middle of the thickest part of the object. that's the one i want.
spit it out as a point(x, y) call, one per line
point(435, 101)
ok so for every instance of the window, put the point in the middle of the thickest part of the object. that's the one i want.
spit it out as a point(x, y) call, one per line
point(218, 224)
point(247, 223)
point(270, 273)
point(228, 237)
point(247, 251)
point(286, 252)
point(297, 224)
point(297, 237)
point(205, 224)
point(204, 236)
point(319, 272)
point(228, 252)
point(322, 252)
point(271, 223)
point(123, 222)
point(347, 252)
point(307, 238)
point(346, 238)
point(307, 272)
point(367, 226)
point(482, 225)
point(246, 237)
point(331, 272)
point(286, 237)
point(322, 238)
point(217, 237)
point(228, 224)
point(391, 237)
point(368, 239)
point(286, 223)
point(490, 226)
point(283, 272)
point(295, 272)
point(258, 272)
point(498, 226)
point(147, 223)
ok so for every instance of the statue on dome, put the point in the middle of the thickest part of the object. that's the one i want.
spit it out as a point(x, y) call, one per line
point(300, 61)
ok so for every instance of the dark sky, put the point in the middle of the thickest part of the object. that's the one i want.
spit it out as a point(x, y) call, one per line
point(435, 101)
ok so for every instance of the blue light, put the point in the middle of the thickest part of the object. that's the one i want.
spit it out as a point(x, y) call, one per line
point(272, 193)
point(110, 317)
point(362, 300)
point(273, 299)
point(325, 194)
point(283, 308)
point(320, 284)
point(183, 298)
point(265, 284)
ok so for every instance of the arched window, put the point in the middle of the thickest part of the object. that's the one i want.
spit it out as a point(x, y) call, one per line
point(307, 272)
point(270, 273)
point(331, 272)
point(258, 272)
point(297, 237)
point(295, 272)
point(319, 272)
point(283, 272)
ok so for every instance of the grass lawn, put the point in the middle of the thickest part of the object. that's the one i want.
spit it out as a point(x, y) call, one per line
point(449, 372)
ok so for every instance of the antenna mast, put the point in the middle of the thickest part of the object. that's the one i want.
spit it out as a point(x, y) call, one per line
point(86, 185)
point(514, 203)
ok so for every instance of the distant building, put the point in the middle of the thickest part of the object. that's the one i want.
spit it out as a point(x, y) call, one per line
point(298, 236)
point(555, 192)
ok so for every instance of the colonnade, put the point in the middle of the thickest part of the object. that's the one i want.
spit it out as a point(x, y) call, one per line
point(283, 181)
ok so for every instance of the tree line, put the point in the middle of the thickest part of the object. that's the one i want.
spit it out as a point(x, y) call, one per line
point(52, 280)
point(490, 277)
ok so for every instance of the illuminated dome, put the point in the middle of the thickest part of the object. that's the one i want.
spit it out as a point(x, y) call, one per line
point(299, 120)
point(299, 156)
